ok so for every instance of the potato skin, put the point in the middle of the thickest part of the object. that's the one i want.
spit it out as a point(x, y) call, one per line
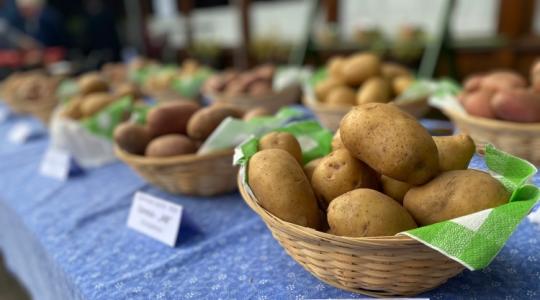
point(324, 87)
point(256, 112)
point(132, 137)
point(375, 89)
point(535, 76)
point(341, 96)
point(336, 141)
point(284, 141)
point(391, 142)
point(127, 89)
point(92, 83)
point(170, 117)
point(455, 152)
point(401, 83)
point(170, 145)
point(360, 67)
point(391, 70)
point(479, 103)
point(365, 212)
point(394, 188)
point(72, 109)
point(454, 194)
point(339, 172)
point(282, 188)
point(206, 120)
point(309, 168)
point(502, 80)
point(93, 103)
point(334, 66)
point(518, 105)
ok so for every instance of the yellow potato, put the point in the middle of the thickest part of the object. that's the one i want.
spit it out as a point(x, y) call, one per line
point(284, 141)
point(335, 64)
point(309, 168)
point(360, 67)
point(365, 212)
point(95, 102)
point(206, 120)
point(454, 194)
point(92, 83)
point(392, 70)
point(455, 152)
point(72, 109)
point(401, 83)
point(391, 142)
point(341, 96)
point(170, 145)
point(336, 141)
point(282, 188)
point(324, 87)
point(394, 188)
point(375, 89)
point(256, 112)
point(339, 172)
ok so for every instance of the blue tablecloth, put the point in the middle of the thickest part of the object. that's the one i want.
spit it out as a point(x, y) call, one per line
point(69, 241)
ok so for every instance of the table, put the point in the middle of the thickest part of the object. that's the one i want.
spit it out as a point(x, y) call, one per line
point(68, 240)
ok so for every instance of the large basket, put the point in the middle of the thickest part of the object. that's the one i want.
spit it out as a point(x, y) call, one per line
point(330, 116)
point(374, 266)
point(519, 139)
point(272, 102)
point(191, 174)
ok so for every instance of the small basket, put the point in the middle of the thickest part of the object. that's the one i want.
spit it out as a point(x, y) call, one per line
point(374, 266)
point(41, 109)
point(271, 102)
point(200, 175)
point(519, 139)
point(330, 116)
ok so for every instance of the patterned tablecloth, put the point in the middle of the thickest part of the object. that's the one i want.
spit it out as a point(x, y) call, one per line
point(68, 240)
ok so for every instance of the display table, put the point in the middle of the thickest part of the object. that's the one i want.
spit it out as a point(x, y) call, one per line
point(68, 240)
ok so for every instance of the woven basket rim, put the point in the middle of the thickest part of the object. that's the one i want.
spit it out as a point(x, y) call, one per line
point(492, 123)
point(323, 107)
point(250, 98)
point(315, 234)
point(172, 160)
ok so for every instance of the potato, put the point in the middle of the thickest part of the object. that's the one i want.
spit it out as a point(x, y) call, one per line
point(339, 172)
point(479, 104)
point(132, 137)
point(341, 96)
point(256, 112)
point(170, 145)
point(518, 105)
point(265, 72)
point(323, 88)
point(454, 194)
point(309, 168)
point(365, 212)
point(393, 70)
point(284, 141)
point(205, 120)
point(127, 89)
point(360, 67)
point(472, 83)
point(375, 89)
point(535, 76)
point(401, 83)
point(391, 142)
point(72, 109)
point(502, 80)
point(260, 88)
point(335, 65)
point(394, 188)
point(455, 152)
point(336, 141)
point(170, 117)
point(282, 188)
point(92, 83)
point(95, 102)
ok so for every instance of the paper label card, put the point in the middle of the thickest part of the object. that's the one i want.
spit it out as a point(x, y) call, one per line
point(155, 217)
point(20, 133)
point(55, 164)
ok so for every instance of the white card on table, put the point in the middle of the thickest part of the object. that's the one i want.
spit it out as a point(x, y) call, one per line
point(55, 164)
point(20, 133)
point(156, 218)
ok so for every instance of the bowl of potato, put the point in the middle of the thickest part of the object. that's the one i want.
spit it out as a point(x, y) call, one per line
point(503, 109)
point(341, 216)
point(164, 150)
point(250, 89)
point(357, 79)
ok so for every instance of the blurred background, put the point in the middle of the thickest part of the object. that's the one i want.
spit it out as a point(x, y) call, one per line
point(472, 35)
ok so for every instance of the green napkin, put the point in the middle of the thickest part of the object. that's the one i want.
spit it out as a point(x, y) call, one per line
point(104, 122)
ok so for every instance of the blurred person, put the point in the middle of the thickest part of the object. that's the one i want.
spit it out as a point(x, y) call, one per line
point(100, 30)
point(10, 37)
point(40, 21)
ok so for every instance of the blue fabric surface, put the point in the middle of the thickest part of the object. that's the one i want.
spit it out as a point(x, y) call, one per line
point(69, 241)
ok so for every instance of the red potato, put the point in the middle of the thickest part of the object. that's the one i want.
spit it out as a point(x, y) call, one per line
point(535, 76)
point(517, 105)
point(472, 83)
point(478, 104)
point(502, 80)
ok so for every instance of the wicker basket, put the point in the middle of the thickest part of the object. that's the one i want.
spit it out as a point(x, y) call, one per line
point(272, 102)
point(330, 116)
point(519, 139)
point(200, 175)
point(374, 266)
point(41, 109)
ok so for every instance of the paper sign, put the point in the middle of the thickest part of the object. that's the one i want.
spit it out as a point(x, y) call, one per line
point(55, 164)
point(20, 133)
point(156, 218)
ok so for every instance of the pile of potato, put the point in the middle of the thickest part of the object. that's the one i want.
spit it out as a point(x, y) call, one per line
point(503, 95)
point(30, 87)
point(361, 78)
point(386, 174)
point(94, 94)
point(176, 128)
point(255, 82)
point(163, 79)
